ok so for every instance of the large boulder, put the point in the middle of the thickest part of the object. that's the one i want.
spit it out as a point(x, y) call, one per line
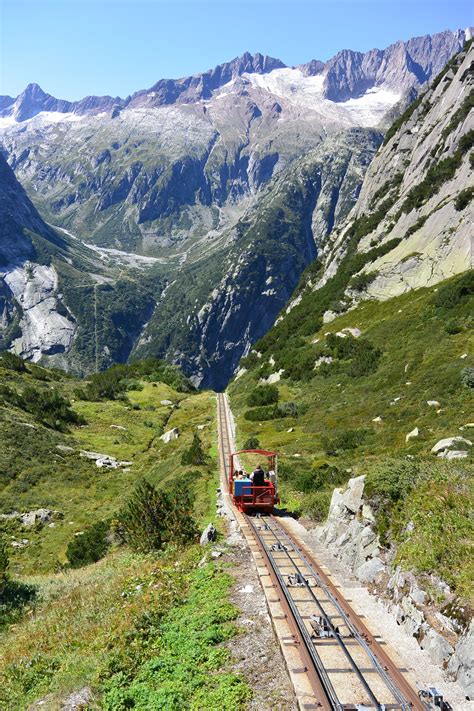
point(209, 535)
point(170, 435)
point(352, 496)
point(461, 664)
point(369, 571)
point(437, 647)
point(37, 516)
point(449, 443)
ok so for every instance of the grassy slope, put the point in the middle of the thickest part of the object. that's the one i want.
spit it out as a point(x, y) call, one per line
point(63, 481)
point(420, 361)
point(416, 350)
point(102, 625)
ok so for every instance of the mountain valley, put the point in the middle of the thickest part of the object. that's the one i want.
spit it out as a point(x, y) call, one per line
point(191, 171)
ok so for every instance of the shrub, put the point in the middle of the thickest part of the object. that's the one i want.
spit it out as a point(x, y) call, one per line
point(466, 142)
point(438, 174)
point(50, 408)
point(317, 478)
point(12, 362)
point(467, 377)
point(151, 519)
point(252, 443)
point(357, 355)
point(273, 412)
point(114, 382)
point(268, 412)
point(454, 326)
point(456, 292)
point(318, 504)
point(347, 440)
point(3, 563)
point(387, 484)
point(361, 281)
point(89, 547)
point(463, 199)
point(364, 362)
point(288, 409)
point(46, 406)
point(195, 454)
point(263, 395)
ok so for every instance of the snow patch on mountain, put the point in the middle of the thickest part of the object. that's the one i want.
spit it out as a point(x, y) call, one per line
point(308, 92)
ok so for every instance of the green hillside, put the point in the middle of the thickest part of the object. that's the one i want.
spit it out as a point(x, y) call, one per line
point(324, 420)
point(110, 625)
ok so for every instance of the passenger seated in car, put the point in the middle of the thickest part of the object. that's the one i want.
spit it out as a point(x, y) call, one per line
point(258, 476)
point(239, 474)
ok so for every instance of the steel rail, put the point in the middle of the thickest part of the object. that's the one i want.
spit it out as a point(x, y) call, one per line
point(329, 690)
point(376, 703)
point(392, 687)
point(363, 633)
point(401, 691)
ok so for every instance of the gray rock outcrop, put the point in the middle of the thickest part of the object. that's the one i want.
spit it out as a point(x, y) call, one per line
point(348, 531)
point(170, 435)
point(209, 535)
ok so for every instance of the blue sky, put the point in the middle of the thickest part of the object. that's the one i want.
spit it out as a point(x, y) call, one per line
point(77, 47)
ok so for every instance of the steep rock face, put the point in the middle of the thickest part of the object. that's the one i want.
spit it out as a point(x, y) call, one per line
point(416, 199)
point(61, 302)
point(31, 321)
point(402, 65)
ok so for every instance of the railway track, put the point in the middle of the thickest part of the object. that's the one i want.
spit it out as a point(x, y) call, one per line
point(345, 666)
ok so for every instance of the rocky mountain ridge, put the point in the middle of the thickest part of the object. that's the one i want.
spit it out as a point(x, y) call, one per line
point(346, 75)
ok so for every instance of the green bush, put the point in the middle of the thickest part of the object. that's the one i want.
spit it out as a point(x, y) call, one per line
point(114, 382)
point(47, 406)
point(317, 505)
point(360, 282)
point(459, 115)
point(12, 362)
point(89, 547)
point(386, 485)
point(195, 454)
point(467, 377)
point(456, 292)
point(263, 395)
point(273, 412)
point(463, 199)
point(454, 326)
point(343, 441)
point(151, 519)
point(309, 480)
point(252, 443)
point(268, 412)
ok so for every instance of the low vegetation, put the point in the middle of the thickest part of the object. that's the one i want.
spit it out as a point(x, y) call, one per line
point(423, 508)
point(110, 595)
point(412, 349)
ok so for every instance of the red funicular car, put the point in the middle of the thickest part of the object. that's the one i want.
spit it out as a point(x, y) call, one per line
point(247, 497)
